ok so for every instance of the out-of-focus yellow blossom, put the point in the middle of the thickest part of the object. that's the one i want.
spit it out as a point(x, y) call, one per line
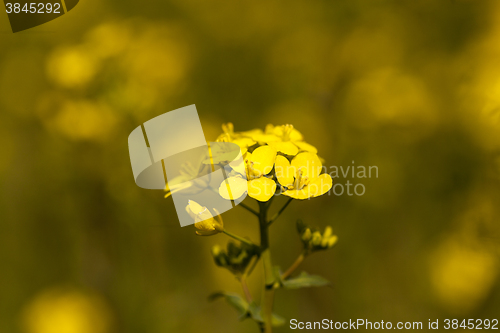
point(302, 177)
point(84, 120)
point(65, 311)
point(205, 223)
point(286, 139)
point(463, 275)
point(259, 163)
point(72, 67)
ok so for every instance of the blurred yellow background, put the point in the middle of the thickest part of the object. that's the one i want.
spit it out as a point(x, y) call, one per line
point(412, 87)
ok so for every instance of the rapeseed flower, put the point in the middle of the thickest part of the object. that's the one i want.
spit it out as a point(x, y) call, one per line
point(301, 177)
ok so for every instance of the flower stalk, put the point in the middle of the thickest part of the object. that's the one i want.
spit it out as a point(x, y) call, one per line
point(241, 239)
point(294, 266)
point(269, 278)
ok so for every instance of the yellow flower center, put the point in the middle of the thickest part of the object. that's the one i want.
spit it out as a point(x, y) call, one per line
point(300, 181)
point(252, 173)
point(287, 130)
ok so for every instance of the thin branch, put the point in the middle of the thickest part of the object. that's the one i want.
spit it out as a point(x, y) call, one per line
point(244, 286)
point(250, 209)
point(280, 211)
point(294, 266)
point(253, 265)
point(241, 239)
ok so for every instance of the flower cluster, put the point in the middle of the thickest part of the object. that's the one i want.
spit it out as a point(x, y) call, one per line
point(277, 158)
point(275, 161)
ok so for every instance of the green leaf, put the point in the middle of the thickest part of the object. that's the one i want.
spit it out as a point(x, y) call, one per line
point(256, 314)
point(235, 300)
point(305, 280)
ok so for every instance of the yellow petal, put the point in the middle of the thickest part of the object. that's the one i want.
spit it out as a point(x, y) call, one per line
point(284, 171)
point(308, 163)
point(297, 194)
point(206, 228)
point(244, 142)
point(286, 148)
point(265, 138)
point(197, 211)
point(194, 207)
point(320, 185)
point(263, 159)
point(304, 146)
point(233, 188)
point(261, 189)
point(251, 133)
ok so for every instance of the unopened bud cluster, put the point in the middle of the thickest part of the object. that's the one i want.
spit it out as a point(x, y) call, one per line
point(314, 240)
point(236, 258)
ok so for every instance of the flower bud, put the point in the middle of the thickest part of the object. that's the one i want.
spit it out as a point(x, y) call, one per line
point(316, 239)
point(205, 223)
point(332, 241)
point(216, 251)
point(219, 256)
point(306, 236)
point(328, 232)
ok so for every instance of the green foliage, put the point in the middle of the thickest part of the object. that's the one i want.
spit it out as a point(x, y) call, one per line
point(236, 301)
point(245, 309)
point(304, 280)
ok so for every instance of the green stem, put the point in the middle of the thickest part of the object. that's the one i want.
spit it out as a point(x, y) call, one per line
point(294, 266)
point(268, 293)
point(241, 239)
point(275, 216)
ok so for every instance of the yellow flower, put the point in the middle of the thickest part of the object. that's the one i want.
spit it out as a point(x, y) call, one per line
point(259, 163)
point(242, 140)
point(188, 179)
point(286, 139)
point(205, 223)
point(302, 177)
